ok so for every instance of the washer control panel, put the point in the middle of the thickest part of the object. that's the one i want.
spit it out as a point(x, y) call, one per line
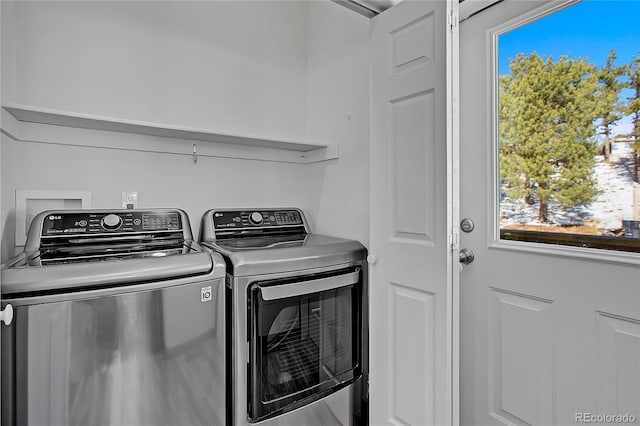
point(240, 219)
point(61, 223)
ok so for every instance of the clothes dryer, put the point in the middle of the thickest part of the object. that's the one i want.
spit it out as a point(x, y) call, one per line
point(297, 319)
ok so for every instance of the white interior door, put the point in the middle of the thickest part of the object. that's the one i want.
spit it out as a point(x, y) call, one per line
point(410, 381)
point(548, 333)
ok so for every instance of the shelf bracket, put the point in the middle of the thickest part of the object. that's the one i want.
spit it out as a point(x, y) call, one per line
point(195, 154)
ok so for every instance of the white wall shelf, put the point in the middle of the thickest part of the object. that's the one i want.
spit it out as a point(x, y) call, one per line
point(283, 150)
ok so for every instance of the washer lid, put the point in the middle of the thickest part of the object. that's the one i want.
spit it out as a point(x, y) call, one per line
point(267, 255)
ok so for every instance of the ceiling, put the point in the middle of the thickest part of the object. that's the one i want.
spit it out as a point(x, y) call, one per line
point(371, 8)
point(368, 8)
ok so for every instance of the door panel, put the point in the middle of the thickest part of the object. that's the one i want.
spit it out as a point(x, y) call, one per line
point(618, 355)
point(412, 171)
point(520, 327)
point(411, 355)
point(410, 379)
point(546, 334)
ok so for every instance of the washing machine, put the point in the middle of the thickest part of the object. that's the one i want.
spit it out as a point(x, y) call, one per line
point(297, 319)
point(118, 320)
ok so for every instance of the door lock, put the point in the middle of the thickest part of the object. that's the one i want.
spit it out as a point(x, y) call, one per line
point(467, 225)
point(466, 256)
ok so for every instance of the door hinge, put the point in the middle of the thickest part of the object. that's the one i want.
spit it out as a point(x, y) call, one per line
point(453, 21)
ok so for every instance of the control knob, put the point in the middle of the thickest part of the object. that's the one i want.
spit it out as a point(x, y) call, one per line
point(111, 222)
point(256, 218)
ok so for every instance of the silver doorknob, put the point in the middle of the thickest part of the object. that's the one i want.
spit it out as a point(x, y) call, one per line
point(466, 256)
point(6, 315)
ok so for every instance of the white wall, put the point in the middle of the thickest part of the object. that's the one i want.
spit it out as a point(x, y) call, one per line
point(236, 67)
point(338, 85)
point(269, 68)
point(8, 52)
point(7, 198)
point(161, 180)
point(230, 66)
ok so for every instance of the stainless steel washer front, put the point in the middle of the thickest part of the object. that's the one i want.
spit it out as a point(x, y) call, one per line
point(142, 355)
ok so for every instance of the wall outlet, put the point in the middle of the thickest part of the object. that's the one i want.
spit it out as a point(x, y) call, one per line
point(130, 200)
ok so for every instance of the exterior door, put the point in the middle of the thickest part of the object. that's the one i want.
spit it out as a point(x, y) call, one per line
point(550, 334)
point(410, 344)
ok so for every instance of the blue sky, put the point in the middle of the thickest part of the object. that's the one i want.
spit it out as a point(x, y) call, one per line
point(588, 29)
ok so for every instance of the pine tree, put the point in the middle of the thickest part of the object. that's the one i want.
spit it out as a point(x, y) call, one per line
point(547, 131)
point(609, 108)
point(633, 109)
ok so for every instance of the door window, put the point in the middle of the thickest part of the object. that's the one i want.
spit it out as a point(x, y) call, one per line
point(569, 128)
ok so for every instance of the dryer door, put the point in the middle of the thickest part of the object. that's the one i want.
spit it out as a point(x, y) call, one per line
point(305, 340)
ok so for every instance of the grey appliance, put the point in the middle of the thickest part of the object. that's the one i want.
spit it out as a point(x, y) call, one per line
point(119, 320)
point(297, 315)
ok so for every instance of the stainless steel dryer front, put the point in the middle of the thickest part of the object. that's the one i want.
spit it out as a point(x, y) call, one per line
point(297, 315)
point(118, 321)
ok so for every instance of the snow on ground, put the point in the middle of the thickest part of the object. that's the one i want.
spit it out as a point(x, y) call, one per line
point(614, 203)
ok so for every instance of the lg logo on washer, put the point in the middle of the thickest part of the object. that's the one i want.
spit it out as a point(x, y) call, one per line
point(205, 294)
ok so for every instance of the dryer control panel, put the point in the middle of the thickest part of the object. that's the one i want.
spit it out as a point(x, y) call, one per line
point(248, 219)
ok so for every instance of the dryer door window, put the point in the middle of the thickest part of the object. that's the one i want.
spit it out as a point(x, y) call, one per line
point(303, 345)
